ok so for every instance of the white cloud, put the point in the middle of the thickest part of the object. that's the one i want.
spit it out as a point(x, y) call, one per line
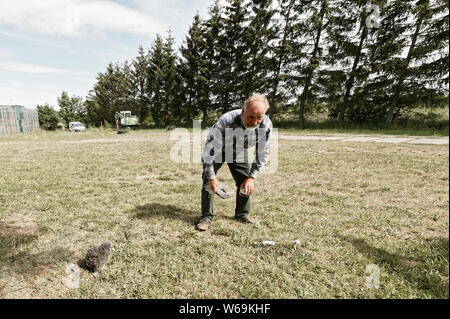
point(29, 94)
point(68, 30)
point(14, 66)
point(5, 53)
point(176, 14)
point(29, 97)
point(75, 18)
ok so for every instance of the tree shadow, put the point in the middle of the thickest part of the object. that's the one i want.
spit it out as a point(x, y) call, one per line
point(153, 210)
point(30, 264)
point(14, 260)
point(415, 267)
point(12, 237)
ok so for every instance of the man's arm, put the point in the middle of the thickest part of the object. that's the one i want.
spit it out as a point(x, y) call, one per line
point(212, 150)
point(261, 152)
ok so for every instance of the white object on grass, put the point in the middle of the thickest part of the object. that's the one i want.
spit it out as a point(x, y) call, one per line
point(267, 243)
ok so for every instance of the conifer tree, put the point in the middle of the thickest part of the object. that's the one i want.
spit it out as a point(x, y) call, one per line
point(108, 95)
point(212, 32)
point(259, 34)
point(128, 89)
point(426, 60)
point(140, 71)
point(156, 78)
point(171, 80)
point(282, 54)
point(163, 74)
point(231, 48)
point(314, 29)
point(193, 71)
point(383, 55)
point(353, 49)
point(71, 109)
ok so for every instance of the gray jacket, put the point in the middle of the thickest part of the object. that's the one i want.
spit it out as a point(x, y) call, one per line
point(228, 140)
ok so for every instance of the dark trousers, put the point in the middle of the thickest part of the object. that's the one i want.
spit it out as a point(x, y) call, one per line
point(240, 172)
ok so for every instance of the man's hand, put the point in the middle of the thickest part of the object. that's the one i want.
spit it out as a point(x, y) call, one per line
point(214, 185)
point(248, 185)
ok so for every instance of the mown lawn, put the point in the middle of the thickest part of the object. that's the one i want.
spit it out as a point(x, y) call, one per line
point(349, 204)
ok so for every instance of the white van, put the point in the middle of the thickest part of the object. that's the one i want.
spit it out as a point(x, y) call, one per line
point(76, 127)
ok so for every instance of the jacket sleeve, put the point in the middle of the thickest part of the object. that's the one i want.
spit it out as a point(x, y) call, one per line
point(261, 151)
point(213, 149)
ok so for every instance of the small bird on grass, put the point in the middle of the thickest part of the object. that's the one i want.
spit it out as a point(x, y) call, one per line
point(98, 257)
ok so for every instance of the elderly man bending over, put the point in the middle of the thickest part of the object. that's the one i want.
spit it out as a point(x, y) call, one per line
point(229, 141)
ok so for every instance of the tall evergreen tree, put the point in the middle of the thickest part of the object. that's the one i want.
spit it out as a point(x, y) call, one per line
point(171, 80)
point(314, 29)
point(140, 71)
point(425, 61)
point(156, 78)
point(348, 57)
point(66, 109)
point(129, 89)
point(231, 48)
point(405, 62)
point(353, 49)
point(193, 71)
point(433, 49)
point(108, 95)
point(212, 32)
point(71, 109)
point(283, 55)
point(258, 35)
point(384, 53)
point(164, 79)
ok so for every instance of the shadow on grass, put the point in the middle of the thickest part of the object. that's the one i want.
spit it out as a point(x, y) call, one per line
point(12, 237)
point(153, 210)
point(15, 258)
point(424, 267)
point(82, 264)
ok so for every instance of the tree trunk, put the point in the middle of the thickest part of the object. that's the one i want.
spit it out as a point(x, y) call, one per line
point(399, 86)
point(273, 107)
point(205, 115)
point(351, 79)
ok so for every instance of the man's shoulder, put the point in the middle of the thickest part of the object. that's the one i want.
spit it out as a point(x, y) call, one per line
point(266, 123)
point(229, 118)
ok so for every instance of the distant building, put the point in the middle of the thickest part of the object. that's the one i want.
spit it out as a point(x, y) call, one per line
point(17, 119)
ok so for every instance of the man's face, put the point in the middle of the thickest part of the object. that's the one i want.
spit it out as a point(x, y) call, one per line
point(254, 114)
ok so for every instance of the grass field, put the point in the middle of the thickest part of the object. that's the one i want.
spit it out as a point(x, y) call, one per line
point(349, 204)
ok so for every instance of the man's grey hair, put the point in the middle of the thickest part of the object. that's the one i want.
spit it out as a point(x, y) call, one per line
point(256, 97)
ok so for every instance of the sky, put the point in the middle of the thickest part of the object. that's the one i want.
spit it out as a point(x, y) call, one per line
point(50, 46)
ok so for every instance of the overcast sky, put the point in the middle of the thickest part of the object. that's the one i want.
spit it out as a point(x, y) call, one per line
point(47, 46)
